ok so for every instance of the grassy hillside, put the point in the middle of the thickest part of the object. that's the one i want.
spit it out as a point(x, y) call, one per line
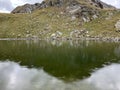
point(44, 22)
point(104, 25)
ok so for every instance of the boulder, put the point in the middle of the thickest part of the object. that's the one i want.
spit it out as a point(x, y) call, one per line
point(56, 35)
point(117, 26)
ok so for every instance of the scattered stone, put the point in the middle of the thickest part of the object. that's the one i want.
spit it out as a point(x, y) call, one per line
point(73, 18)
point(27, 32)
point(28, 35)
point(59, 33)
point(94, 16)
point(78, 33)
point(56, 35)
point(109, 16)
point(58, 16)
point(87, 35)
point(73, 9)
point(19, 36)
point(53, 35)
point(86, 19)
point(47, 27)
point(35, 37)
point(61, 13)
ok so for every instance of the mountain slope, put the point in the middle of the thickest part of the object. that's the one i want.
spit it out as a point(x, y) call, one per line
point(66, 19)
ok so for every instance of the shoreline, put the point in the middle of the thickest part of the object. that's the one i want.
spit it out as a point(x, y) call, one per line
point(115, 39)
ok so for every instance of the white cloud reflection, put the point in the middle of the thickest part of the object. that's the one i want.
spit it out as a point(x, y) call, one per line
point(15, 77)
point(107, 78)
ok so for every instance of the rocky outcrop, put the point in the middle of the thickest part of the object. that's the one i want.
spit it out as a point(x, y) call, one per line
point(27, 8)
point(56, 35)
point(76, 4)
point(117, 26)
point(79, 34)
point(100, 4)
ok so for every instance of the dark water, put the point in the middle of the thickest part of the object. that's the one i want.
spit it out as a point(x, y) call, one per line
point(71, 65)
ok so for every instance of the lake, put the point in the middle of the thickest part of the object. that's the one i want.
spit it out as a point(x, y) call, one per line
point(59, 65)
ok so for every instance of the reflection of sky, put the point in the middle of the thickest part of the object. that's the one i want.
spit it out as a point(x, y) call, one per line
point(107, 78)
point(15, 77)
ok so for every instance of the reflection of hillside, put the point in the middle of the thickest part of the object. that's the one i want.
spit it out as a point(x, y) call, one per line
point(117, 51)
point(66, 61)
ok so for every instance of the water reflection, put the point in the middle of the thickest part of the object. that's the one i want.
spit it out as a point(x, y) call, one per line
point(117, 51)
point(68, 62)
point(107, 78)
point(16, 77)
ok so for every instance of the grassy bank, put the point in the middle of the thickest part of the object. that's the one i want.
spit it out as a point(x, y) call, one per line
point(43, 23)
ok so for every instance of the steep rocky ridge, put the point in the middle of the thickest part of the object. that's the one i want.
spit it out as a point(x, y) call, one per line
point(85, 10)
point(28, 8)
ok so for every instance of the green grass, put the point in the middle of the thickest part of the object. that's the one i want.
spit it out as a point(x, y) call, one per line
point(104, 25)
point(42, 23)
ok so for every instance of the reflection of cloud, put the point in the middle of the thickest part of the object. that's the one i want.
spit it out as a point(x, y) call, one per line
point(107, 78)
point(15, 77)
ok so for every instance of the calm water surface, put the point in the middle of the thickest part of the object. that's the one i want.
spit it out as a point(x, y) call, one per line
point(54, 65)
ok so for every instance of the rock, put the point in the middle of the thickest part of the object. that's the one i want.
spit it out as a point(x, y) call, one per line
point(85, 19)
point(27, 32)
point(35, 37)
point(19, 36)
point(56, 35)
point(47, 27)
point(117, 26)
point(62, 13)
point(27, 8)
point(109, 15)
point(94, 16)
point(58, 16)
point(28, 35)
point(59, 33)
point(87, 35)
point(87, 14)
point(73, 18)
point(78, 33)
point(53, 35)
point(73, 9)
